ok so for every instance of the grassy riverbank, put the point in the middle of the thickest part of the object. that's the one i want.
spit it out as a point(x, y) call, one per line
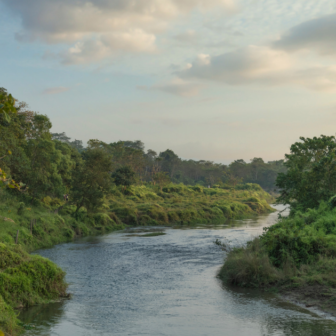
point(27, 280)
point(138, 205)
point(296, 257)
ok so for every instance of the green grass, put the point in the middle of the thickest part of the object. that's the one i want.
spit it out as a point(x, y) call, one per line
point(180, 204)
point(28, 280)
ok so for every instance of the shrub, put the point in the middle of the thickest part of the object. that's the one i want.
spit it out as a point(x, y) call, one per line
point(249, 266)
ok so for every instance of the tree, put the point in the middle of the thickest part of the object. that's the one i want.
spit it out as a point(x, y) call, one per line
point(91, 179)
point(124, 176)
point(257, 164)
point(161, 179)
point(311, 174)
point(7, 182)
point(42, 174)
point(7, 106)
point(77, 144)
point(135, 144)
point(169, 161)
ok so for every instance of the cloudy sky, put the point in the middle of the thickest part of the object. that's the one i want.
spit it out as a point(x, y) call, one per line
point(211, 79)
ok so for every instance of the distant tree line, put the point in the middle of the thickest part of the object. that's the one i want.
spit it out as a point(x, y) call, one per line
point(50, 164)
point(155, 168)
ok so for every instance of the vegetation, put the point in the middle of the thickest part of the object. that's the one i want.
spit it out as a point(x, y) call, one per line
point(42, 225)
point(298, 254)
point(311, 175)
point(26, 280)
point(64, 190)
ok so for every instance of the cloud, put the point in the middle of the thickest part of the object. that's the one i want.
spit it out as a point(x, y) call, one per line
point(108, 45)
point(318, 35)
point(55, 90)
point(98, 29)
point(243, 66)
point(262, 66)
point(177, 87)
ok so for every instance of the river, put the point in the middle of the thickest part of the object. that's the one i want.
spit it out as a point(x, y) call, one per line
point(124, 284)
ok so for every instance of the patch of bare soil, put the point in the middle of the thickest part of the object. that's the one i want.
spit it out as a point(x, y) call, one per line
point(316, 296)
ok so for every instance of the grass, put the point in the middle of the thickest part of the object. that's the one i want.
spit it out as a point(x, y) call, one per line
point(28, 280)
point(295, 257)
point(180, 204)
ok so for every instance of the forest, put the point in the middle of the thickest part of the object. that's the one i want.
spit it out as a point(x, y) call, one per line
point(190, 172)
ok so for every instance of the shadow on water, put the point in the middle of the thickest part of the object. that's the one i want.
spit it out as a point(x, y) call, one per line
point(44, 316)
point(124, 284)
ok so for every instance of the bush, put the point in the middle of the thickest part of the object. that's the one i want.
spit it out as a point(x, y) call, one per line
point(249, 266)
point(26, 280)
point(302, 237)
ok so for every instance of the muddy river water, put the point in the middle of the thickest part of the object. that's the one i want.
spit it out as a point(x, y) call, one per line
point(124, 284)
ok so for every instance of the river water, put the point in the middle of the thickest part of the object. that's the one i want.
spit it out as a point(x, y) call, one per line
point(124, 284)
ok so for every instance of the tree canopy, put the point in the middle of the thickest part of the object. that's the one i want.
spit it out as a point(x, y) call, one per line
point(311, 174)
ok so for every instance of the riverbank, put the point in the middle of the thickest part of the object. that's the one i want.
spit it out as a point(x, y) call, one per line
point(26, 280)
point(154, 285)
point(295, 257)
point(48, 224)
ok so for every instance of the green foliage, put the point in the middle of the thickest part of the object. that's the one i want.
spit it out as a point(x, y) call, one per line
point(249, 266)
point(124, 176)
point(161, 179)
point(302, 237)
point(8, 318)
point(311, 175)
point(51, 166)
point(91, 179)
point(298, 254)
point(7, 107)
point(185, 204)
point(26, 280)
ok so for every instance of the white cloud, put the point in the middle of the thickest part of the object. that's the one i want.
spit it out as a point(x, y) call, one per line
point(55, 90)
point(318, 35)
point(94, 50)
point(99, 28)
point(242, 66)
point(261, 66)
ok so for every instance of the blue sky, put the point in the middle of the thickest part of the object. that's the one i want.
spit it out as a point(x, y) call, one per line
point(217, 79)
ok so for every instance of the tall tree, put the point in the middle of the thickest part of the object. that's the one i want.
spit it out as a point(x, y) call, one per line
point(124, 176)
point(91, 179)
point(311, 175)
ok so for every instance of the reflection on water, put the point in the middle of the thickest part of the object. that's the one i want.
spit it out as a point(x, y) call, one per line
point(165, 285)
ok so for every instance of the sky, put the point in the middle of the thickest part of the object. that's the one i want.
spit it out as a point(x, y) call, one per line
point(216, 80)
